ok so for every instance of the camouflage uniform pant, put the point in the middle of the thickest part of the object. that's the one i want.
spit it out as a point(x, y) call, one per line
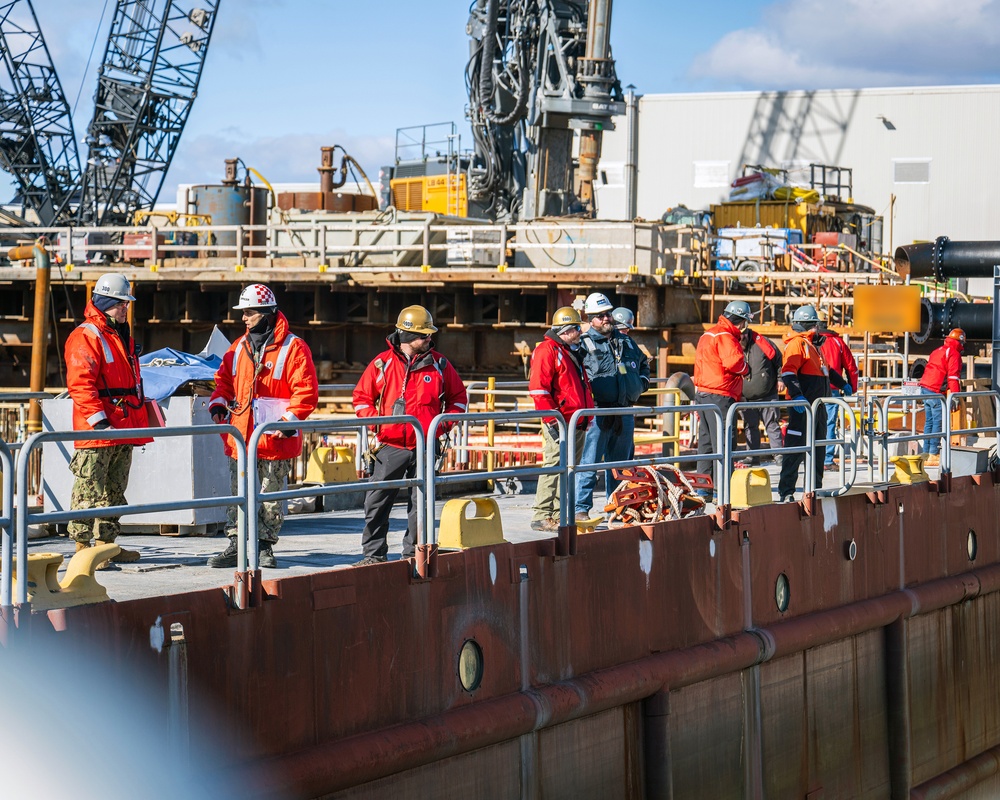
point(101, 479)
point(271, 475)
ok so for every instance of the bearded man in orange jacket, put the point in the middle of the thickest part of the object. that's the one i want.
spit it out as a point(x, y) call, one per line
point(267, 375)
point(105, 383)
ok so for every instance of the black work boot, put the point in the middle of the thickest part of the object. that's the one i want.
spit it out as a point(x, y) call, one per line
point(265, 557)
point(227, 558)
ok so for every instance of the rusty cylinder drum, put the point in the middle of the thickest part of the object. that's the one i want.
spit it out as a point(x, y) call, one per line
point(232, 205)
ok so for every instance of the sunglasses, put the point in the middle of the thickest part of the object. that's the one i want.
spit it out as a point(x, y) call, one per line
point(605, 315)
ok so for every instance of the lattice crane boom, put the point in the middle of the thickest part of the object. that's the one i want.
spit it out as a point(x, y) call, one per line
point(146, 87)
point(37, 143)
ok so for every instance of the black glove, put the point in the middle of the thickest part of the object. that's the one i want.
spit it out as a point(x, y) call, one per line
point(219, 415)
point(553, 429)
point(103, 425)
point(617, 426)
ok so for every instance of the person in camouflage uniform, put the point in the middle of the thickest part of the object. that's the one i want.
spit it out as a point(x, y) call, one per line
point(105, 384)
point(271, 475)
point(101, 480)
point(267, 375)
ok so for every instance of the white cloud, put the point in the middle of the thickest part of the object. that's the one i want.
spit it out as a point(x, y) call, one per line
point(857, 43)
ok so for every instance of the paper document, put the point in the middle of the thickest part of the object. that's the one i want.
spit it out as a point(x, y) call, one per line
point(269, 409)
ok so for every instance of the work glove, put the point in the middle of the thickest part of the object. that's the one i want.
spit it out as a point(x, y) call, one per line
point(553, 430)
point(283, 434)
point(219, 415)
point(800, 400)
point(103, 425)
point(617, 426)
point(848, 390)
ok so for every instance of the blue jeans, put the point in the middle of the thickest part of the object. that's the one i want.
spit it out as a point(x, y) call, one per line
point(932, 421)
point(602, 444)
point(832, 415)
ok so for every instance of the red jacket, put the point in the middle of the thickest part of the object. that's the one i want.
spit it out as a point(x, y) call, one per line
point(103, 379)
point(839, 358)
point(719, 362)
point(287, 373)
point(429, 384)
point(943, 368)
point(558, 381)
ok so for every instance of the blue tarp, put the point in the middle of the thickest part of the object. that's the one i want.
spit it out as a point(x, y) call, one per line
point(165, 371)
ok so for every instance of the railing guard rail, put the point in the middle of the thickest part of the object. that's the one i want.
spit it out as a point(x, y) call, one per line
point(6, 529)
point(23, 518)
point(572, 467)
point(248, 553)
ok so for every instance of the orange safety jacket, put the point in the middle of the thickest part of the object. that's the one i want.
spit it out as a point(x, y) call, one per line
point(103, 379)
point(803, 370)
point(719, 361)
point(282, 386)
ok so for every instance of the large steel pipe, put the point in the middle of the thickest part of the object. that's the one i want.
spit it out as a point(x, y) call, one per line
point(943, 259)
point(937, 319)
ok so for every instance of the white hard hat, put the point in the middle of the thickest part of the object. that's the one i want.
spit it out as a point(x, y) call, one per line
point(111, 284)
point(256, 295)
point(596, 303)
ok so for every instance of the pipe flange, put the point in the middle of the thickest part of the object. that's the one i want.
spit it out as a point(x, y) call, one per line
point(937, 258)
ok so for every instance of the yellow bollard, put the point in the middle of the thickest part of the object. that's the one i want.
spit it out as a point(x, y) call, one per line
point(459, 531)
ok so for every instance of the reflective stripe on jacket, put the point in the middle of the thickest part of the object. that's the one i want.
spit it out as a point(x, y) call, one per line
point(802, 369)
point(286, 372)
point(943, 368)
point(428, 383)
point(558, 380)
point(719, 361)
point(104, 380)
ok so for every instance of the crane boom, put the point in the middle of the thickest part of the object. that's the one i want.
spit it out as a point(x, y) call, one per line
point(147, 85)
point(37, 143)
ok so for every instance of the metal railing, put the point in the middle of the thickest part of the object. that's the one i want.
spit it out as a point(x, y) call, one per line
point(434, 479)
point(884, 437)
point(573, 467)
point(6, 528)
point(847, 443)
point(23, 518)
point(806, 449)
point(247, 553)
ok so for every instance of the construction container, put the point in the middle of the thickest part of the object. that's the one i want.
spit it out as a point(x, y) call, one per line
point(765, 213)
point(231, 205)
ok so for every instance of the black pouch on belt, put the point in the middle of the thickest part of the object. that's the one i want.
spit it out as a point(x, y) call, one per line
point(399, 407)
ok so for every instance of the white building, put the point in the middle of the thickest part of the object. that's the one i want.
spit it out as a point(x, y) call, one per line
point(932, 147)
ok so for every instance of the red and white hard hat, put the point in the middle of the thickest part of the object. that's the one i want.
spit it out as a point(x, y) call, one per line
point(256, 295)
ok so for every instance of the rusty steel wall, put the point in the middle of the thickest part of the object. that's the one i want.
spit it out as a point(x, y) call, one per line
point(653, 663)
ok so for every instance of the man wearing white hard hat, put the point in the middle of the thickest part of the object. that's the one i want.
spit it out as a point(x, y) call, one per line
point(267, 375)
point(105, 384)
point(619, 372)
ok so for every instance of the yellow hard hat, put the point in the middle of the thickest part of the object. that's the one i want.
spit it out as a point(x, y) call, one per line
point(567, 315)
point(415, 319)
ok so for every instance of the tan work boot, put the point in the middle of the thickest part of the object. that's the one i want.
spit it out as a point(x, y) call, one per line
point(126, 556)
point(82, 546)
point(932, 460)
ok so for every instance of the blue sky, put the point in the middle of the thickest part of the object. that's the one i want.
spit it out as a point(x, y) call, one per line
point(284, 77)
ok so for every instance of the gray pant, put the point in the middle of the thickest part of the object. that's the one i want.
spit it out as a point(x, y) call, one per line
point(770, 417)
point(391, 464)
